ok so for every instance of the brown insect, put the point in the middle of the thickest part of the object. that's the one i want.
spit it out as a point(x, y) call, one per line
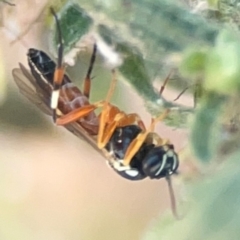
point(132, 150)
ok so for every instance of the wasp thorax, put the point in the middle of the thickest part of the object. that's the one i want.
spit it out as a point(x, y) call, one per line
point(121, 139)
point(150, 160)
point(160, 161)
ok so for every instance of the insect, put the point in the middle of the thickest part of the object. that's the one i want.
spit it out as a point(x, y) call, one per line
point(132, 150)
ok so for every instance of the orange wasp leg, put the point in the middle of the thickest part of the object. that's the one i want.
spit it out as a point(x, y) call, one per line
point(85, 110)
point(111, 117)
point(120, 120)
point(139, 140)
point(105, 114)
point(78, 113)
point(59, 72)
point(57, 83)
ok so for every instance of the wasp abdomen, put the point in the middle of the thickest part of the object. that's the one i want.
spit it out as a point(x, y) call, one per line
point(71, 98)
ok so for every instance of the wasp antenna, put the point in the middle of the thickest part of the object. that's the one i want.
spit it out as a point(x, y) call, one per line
point(59, 71)
point(172, 198)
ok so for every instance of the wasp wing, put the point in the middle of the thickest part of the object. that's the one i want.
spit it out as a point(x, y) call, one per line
point(30, 89)
point(27, 86)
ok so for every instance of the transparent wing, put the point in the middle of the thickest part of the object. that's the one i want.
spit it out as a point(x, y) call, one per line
point(29, 88)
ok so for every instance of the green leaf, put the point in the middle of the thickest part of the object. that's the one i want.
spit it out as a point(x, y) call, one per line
point(148, 33)
point(133, 66)
point(135, 72)
point(74, 23)
point(161, 27)
point(193, 64)
point(223, 65)
point(205, 132)
point(213, 4)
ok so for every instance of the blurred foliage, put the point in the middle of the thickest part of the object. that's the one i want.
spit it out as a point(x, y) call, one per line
point(2, 81)
point(216, 73)
point(223, 64)
point(8, 2)
point(205, 132)
point(149, 38)
point(158, 28)
point(24, 118)
point(225, 11)
point(134, 65)
point(214, 209)
point(70, 25)
point(214, 136)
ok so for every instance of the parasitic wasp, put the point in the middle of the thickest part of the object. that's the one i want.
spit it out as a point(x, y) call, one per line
point(132, 150)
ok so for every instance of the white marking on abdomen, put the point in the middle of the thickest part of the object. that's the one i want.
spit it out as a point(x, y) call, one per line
point(54, 99)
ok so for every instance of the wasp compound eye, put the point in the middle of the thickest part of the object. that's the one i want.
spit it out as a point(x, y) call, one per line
point(160, 162)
